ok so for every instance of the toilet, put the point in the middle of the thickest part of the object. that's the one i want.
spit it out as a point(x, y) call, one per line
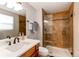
point(43, 52)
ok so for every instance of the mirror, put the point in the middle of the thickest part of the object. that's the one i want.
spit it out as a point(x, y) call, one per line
point(12, 19)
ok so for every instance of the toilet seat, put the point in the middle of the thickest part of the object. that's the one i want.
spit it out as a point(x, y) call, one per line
point(43, 51)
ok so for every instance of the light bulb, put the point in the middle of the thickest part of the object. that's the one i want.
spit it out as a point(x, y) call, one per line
point(18, 7)
point(2, 2)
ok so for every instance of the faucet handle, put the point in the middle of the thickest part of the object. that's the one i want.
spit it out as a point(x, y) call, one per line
point(18, 39)
point(9, 37)
point(9, 42)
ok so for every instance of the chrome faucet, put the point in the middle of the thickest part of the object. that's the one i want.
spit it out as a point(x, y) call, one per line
point(14, 42)
point(9, 42)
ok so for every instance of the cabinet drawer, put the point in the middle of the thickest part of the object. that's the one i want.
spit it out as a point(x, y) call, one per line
point(29, 53)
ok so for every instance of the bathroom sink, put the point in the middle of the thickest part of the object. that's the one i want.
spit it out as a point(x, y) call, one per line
point(3, 42)
point(16, 47)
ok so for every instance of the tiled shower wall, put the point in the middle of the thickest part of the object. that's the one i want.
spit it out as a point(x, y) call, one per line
point(62, 30)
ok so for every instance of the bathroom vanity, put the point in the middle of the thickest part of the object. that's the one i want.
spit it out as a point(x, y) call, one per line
point(33, 52)
point(25, 48)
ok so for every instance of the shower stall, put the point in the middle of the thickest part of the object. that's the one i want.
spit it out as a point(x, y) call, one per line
point(57, 31)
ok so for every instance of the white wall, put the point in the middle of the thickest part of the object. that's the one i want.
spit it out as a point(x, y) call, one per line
point(31, 16)
point(76, 29)
point(40, 22)
point(13, 32)
point(34, 15)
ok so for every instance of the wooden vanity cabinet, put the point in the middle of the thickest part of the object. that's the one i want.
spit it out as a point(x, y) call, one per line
point(33, 52)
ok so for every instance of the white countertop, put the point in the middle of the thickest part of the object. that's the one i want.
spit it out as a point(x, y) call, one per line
point(6, 53)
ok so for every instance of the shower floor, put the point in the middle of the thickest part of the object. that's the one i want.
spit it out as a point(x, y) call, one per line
point(58, 52)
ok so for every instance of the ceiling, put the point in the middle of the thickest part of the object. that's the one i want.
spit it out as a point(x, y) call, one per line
point(20, 12)
point(51, 7)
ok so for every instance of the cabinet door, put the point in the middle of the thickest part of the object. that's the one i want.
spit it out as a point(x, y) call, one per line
point(29, 53)
point(35, 54)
